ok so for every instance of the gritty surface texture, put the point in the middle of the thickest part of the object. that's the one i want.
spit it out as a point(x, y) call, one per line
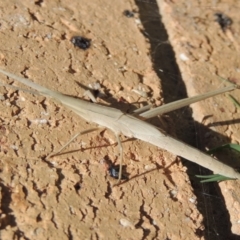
point(205, 50)
point(71, 195)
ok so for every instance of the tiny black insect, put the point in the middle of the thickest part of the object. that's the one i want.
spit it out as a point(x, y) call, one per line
point(81, 42)
point(223, 20)
point(114, 172)
point(128, 13)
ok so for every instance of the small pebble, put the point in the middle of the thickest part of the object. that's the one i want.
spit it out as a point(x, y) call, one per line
point(126, 223)
point(128, 13)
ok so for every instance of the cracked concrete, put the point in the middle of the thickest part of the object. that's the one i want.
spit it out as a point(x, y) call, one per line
point(71, 196)
point(210, 51)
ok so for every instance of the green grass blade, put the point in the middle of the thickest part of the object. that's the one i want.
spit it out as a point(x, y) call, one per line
point(213, 178)
point(234, 100)
point(232, 146)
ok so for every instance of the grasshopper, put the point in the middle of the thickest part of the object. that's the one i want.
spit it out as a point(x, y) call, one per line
point(135, 126)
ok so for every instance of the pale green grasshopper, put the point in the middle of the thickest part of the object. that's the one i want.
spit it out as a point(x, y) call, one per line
point(134, 127)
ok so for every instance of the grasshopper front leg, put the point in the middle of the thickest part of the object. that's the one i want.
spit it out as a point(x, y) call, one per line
point(72, 139)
